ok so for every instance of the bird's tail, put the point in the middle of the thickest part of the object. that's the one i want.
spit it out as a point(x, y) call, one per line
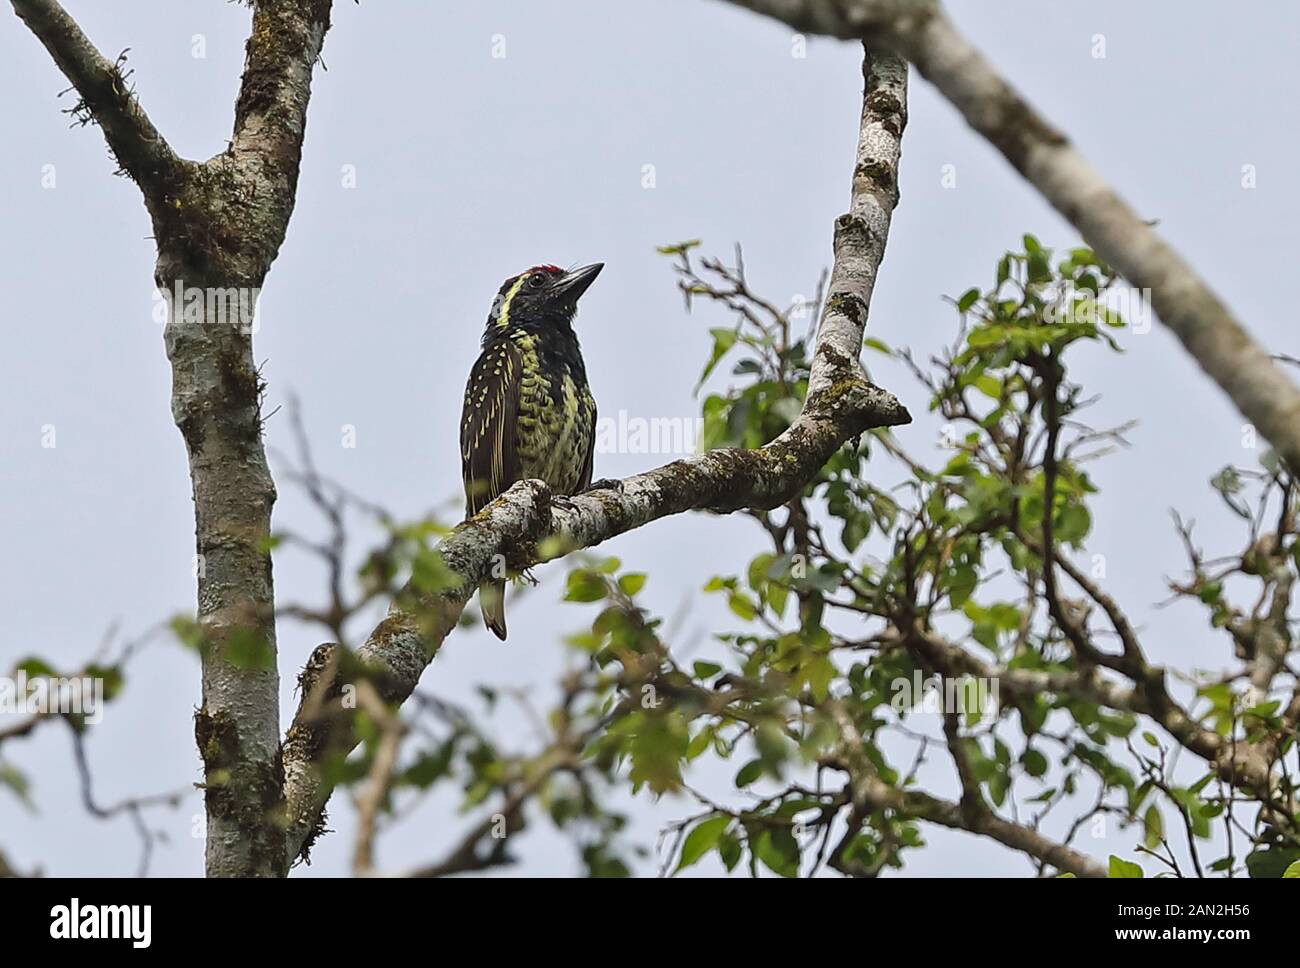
point(492, 600)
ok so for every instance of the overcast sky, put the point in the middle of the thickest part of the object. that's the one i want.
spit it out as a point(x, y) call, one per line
point(469, 167)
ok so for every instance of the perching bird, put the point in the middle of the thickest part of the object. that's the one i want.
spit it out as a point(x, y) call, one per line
point(529, 413)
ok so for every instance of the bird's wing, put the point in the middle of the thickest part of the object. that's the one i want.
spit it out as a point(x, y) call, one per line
point(588, 464)
point(489, 463)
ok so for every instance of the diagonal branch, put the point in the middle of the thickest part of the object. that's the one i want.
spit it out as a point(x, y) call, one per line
point(920, 31)
point(138, 148)
point(841, 404)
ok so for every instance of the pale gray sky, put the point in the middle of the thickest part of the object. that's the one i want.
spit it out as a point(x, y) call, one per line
point(469, 168)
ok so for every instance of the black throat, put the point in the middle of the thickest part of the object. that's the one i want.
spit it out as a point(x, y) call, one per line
point(552, 338)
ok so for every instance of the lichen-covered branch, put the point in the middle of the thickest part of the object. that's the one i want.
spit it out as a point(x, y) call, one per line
point(920, 31)
point(271, 110)
point(105, 97)
point(218, 227)
point(527, 528)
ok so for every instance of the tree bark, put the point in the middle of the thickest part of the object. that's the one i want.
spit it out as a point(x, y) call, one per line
point(218, 226)
point(1184, 302)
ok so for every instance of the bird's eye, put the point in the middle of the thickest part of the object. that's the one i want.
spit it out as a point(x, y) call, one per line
point(537, 280)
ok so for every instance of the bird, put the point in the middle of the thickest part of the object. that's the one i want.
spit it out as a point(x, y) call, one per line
point(528, 413)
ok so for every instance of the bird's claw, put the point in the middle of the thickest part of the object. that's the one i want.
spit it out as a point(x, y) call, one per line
point(563, 502)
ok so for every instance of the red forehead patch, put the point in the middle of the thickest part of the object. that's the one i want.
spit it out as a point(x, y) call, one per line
point(545, 268)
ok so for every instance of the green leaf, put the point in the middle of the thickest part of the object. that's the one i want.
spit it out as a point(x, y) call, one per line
point(631, 583)
point(1124, 868)
point(759, 568)
point(729, 850)
point(742, 606)
point(1272, 863)
point(990, 386)
point(1073, 523)
point(961, 584)
point(677, 248)
point(723, 340)
point(819, 672)
point(36, 668)
point(1155, 827)
point(1292, 872)
point(247, 648)
point(750, 772)
point(583, 586)
point(13, 778)
point(1035, 763)
point(112, 677)
point(701, 840)
point(699, 743)
point(658, 746)
point(777, 596)
point(779, 851)
point(190, 633)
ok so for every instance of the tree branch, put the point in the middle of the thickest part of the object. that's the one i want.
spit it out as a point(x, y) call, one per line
point(841, 404)
point(1237, 762)
point(137, 147)
point(372, 798)
point(271, 110)
point(920, 31)
point(496, 828)
point(870, 794)
point(219, 242)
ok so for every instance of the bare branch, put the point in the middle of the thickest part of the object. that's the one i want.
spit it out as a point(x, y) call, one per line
point(107, 98)
point(870, 793)
point(134, 806)
point(507, 819)
point(371, 799)
point(920, 31)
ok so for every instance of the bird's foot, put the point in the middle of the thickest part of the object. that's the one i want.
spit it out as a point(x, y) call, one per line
point(563, 502)
point(606, 484)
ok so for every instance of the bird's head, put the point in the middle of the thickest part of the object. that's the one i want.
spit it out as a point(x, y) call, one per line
point(540, 296)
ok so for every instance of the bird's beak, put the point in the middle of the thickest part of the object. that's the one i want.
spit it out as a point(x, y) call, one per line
point(573, 284)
